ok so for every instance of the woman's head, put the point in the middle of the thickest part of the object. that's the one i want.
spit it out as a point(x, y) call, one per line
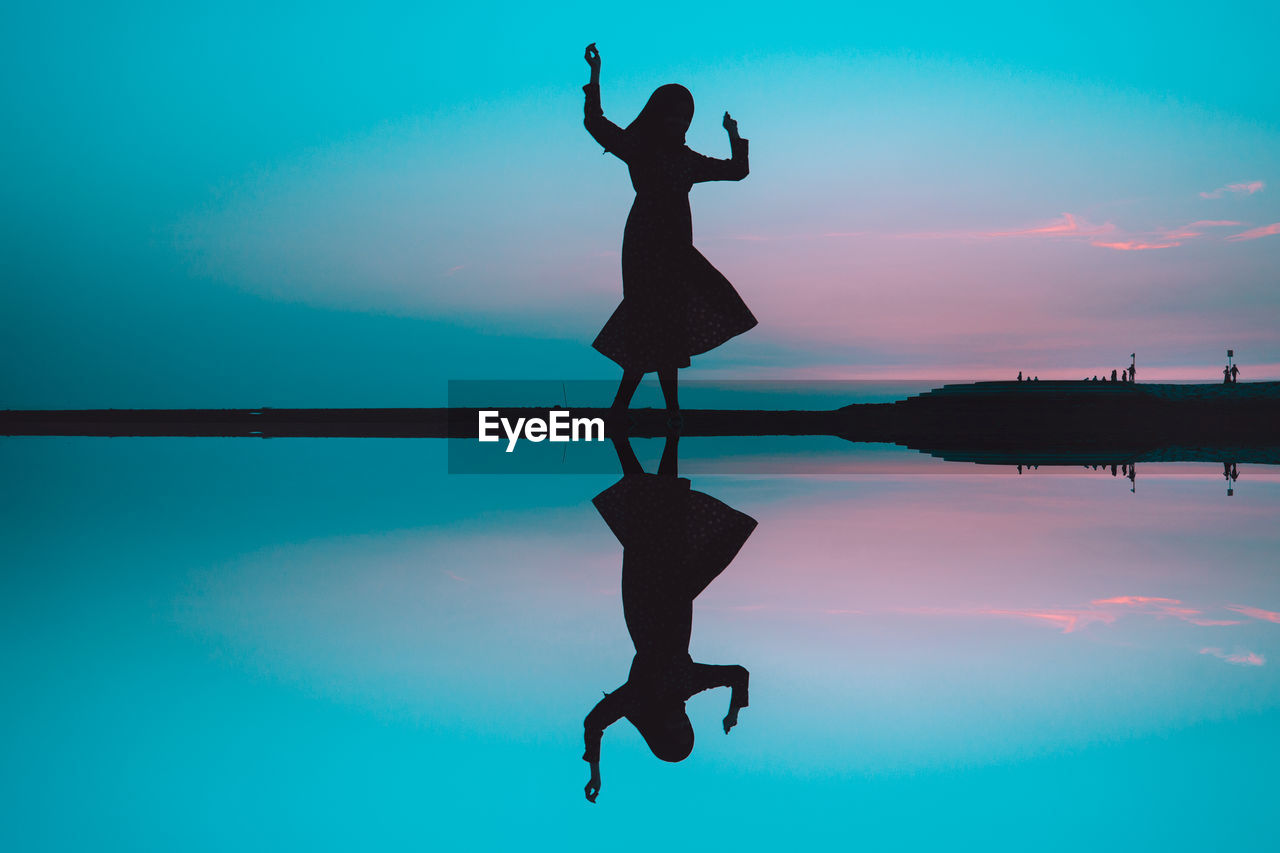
point(666, 117)
point(667, 730)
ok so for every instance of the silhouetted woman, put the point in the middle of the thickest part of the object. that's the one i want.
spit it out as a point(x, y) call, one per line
point(675, 542)
point(674, 302)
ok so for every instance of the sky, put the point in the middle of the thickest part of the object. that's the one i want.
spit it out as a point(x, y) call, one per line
point(322, 205)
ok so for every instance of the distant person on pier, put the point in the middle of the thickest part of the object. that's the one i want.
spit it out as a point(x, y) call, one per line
point(1235, 373)
point(1113, 376)
point(1226, 375)
point(1019, 375)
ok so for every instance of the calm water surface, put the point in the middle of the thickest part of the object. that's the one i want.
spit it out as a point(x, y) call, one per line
point(333, 644)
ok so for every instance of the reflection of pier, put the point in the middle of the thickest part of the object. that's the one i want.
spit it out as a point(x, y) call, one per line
point(1003, 423)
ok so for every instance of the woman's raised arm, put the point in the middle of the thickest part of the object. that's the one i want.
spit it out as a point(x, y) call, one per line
point(734, 169)
point(608, 134)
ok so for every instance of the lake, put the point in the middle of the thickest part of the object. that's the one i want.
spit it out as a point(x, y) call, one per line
point(333, 644)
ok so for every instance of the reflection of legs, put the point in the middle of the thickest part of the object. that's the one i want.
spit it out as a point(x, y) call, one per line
point(627, 388)
point(669, 465)
point(626, 456)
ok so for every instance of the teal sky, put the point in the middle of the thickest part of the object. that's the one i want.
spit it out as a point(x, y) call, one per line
point(321, 205)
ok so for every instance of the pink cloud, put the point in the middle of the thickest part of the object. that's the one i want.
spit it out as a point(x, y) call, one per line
point(1255, 233)
point(1255, 612)
point(1192, 229)
point(1243, 188)
point(1244, 658)
point(1167, 239)
point(1135, 599)
point(1069, 226)
point(1135, 246)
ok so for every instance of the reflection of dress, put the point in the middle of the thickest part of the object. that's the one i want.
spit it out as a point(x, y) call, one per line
point(674, 302)
point(675, 541)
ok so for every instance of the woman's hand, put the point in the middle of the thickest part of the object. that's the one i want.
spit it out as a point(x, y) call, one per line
point(730, 719)
point(729, 124)
point(593, 58)
point(593, 786)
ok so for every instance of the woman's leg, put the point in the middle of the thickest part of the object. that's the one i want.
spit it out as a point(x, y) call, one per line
point(627, 389)
point(670, 392)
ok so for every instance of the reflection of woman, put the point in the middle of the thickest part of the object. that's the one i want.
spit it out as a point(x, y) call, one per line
point(675, 541)
point(674, 302)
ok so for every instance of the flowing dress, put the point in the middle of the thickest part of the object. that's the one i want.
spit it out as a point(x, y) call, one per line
point(675, 304)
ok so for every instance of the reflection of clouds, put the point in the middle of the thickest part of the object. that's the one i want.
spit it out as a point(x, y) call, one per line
point(1066, 619)
point(1242, 658)
point(1164, 607)
point(1103, 610)
point(1108, 610)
